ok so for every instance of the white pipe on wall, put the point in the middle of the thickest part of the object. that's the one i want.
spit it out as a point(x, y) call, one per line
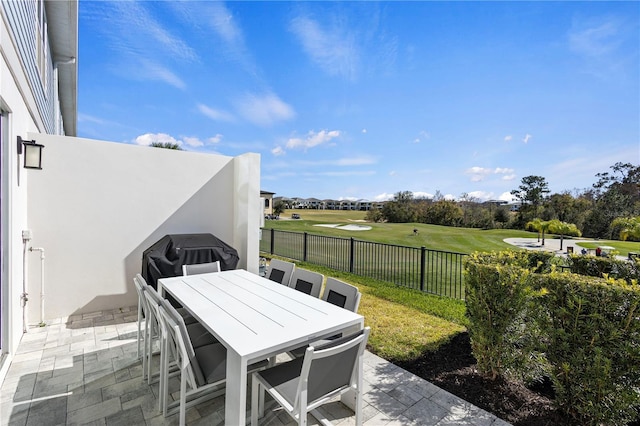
point(41, 250)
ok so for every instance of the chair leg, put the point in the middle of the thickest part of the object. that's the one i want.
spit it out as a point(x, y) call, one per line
point(163, 363)
point(255, 408)
point(359, 393)
point(183, 397)
point(144, 348)
point(139, 328)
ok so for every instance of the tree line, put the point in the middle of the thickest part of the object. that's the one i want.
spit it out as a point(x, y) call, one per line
point(609, 209)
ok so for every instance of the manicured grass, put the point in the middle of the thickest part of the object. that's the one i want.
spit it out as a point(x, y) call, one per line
point(404, 323)
point(445, 238)
point(622, 248)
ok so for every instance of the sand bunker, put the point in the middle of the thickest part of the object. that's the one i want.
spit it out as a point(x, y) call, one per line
point(346, 227)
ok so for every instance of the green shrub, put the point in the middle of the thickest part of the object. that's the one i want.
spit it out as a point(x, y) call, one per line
point(496, 298)
point(592, 329)
point(537, 261)
point(605, 266)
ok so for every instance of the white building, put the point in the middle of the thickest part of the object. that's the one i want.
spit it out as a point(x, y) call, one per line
point(94, 207)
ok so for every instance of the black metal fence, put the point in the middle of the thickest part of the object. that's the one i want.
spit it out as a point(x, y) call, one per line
point(431, 271)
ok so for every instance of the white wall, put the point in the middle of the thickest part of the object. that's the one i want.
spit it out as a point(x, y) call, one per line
point(17, 102)
point(96, 206)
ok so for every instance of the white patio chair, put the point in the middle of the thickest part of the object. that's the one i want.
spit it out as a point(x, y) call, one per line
point(280, 271)
point(202, 370)
point(306, 281)
point(188, 318)
point(198, 336)
point(303, 384)
point(201, 268)
point(341, 294)
point(141, 311)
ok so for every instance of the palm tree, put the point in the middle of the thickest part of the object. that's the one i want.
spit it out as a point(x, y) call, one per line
point(563, 228)
point(539, 225)
point(536, 225)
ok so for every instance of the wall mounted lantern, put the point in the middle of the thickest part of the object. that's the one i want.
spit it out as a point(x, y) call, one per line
point(32, 153)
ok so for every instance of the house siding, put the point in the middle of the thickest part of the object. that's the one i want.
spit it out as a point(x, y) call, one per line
point(22, 21)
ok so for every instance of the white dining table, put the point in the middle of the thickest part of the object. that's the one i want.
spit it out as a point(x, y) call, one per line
point(254, 318)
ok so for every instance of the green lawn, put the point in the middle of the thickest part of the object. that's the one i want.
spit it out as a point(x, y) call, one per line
point(445, 238)
point(406, 322)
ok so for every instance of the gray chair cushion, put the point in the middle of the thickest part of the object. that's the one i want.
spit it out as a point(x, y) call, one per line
point(186, 316)
point(199, 335)
point(284, 378)
point(212, 361)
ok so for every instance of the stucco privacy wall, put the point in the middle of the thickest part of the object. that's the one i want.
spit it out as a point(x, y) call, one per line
point(96, 206)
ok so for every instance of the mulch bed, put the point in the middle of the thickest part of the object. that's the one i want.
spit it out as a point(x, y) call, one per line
point(453, 368)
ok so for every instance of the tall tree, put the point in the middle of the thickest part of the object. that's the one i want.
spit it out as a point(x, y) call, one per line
point(532, 190)
point(530, 193)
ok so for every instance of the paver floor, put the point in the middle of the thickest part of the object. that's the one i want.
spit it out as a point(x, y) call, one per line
point(84, 369)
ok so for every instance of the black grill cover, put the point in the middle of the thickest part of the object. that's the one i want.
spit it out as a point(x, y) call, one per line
point(166, 257)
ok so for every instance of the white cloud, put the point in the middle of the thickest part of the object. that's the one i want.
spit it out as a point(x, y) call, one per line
point(215, 114)
point(508, 138)
point(383, 197)
point(527, 138)
point(481, 195)
point(313, 139)
point(333, 49)
point(421, 194)
point(215, 139)
point(364, 130)
point(392, 173)
point(509, 177)
point(506, 196)
point(355, 161)
point(503, 170)
point(149, 138)
point(277, 151)
point(193, 142)
point(478, 174)
point(594, 38)
point(153, 71)
point(264, 110)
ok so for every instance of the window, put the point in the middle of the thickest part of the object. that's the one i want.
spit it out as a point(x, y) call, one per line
point(266, 203)
point(42, 42)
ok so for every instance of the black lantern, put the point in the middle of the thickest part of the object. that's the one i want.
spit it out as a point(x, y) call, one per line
point(32, 153)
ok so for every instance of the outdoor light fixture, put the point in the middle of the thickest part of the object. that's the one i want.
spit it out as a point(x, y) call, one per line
point(32, 153)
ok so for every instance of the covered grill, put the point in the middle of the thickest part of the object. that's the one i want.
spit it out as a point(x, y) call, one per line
point(166, 257)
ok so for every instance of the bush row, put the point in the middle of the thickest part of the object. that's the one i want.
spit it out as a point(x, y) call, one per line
point(594, 266)
point(527, 320)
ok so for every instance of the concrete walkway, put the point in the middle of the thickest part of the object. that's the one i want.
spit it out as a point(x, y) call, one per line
point(85, 370)
point(553, 245)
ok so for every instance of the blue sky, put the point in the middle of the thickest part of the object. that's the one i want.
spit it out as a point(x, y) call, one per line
point(365, 99)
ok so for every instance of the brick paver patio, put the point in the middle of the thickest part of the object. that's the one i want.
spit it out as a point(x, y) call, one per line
point(84, 370)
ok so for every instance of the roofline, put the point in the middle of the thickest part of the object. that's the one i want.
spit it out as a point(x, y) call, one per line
point(62, 21)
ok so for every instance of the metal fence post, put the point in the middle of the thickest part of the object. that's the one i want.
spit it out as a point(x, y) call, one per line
point(304, 247)
point(423, 262)
point(351, 255)
point(273, 240)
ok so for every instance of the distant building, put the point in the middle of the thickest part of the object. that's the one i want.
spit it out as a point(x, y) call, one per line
point(268, 202)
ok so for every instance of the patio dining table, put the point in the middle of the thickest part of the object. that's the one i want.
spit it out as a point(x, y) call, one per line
point(255, 319)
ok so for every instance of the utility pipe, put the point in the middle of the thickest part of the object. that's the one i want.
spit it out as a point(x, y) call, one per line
point(23, 296)
point(41, 250)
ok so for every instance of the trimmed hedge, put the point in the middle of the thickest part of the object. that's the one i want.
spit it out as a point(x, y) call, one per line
point(593, 350)
point(527, 320)
point(594, 266)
